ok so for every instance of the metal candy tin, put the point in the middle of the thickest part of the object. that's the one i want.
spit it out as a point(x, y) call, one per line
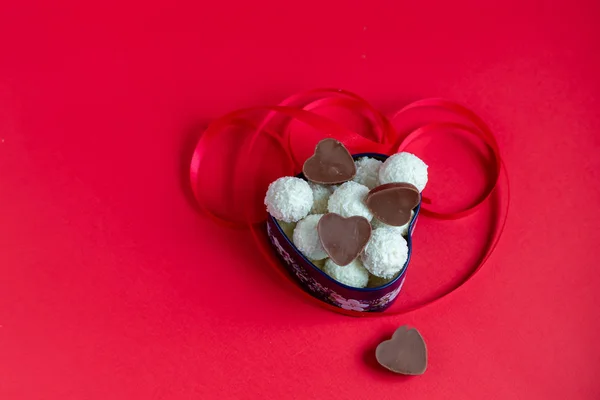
point(322, 286)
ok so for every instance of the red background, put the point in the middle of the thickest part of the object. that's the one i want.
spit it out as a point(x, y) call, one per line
point(110, 279)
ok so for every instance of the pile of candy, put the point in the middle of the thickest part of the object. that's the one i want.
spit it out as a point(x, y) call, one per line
point(350, 218)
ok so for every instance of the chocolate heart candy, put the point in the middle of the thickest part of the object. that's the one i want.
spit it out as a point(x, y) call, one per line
point(331, 163)
point(343, 238)
point(405, 353)
point(392, 203)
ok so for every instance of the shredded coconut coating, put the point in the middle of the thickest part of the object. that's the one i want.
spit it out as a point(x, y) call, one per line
point(367, 172)
point(306, 238)
point(404, 168)
point(385, 253)
point(375, 223)
point(353, 274)
point(349, 200)
point(321, 195)
point(289, 199)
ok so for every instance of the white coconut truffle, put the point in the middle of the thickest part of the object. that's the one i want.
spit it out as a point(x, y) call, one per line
point(287, 228)
point(404, 168)
point(321, 195)
point(306, 238)
point(375, 223)
point(385, 253)
point(353, 274)
point(349, 200)
point(289, 199)
point(367, 172)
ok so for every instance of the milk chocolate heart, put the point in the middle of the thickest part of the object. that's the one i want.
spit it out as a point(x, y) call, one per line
point(405, 353)
point(343, 238)
point(392, 203)
point(331, 163)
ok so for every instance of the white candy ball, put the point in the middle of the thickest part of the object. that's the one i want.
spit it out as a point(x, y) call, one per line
point(289, 199)
point(375, 223)
point(321, 195)
point(367, 172)
point(353, 274)
point(349, 200)
point(306, 238)
point(385, 253)
point(404, 168)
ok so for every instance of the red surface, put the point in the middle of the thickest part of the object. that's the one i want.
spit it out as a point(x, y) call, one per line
point(110, 279)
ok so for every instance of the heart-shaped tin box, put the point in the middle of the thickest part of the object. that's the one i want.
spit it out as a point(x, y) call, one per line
point(319, 284)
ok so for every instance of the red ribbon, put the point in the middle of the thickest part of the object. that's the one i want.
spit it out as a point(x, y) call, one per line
point(386, 140)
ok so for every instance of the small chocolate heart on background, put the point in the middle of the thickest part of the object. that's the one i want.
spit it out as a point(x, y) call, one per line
point(405, 353)
point(331, 163)
point(343, 238)
point(392, 203)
